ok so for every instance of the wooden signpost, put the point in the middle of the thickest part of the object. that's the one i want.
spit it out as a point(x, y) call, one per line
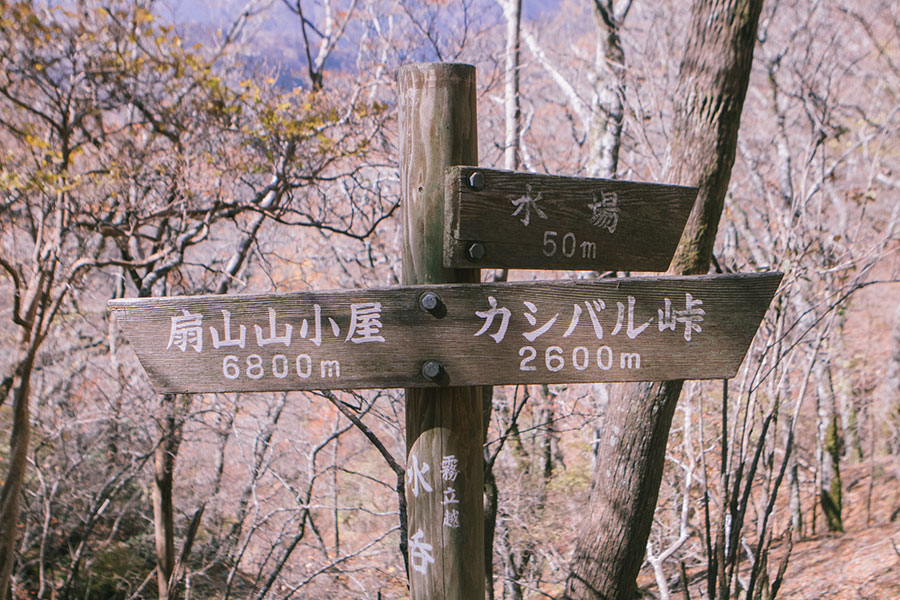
point(444, 334)
point(598, 330)
point(530, 221)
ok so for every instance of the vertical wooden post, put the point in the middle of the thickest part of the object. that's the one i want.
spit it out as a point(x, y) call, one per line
point(443, 426)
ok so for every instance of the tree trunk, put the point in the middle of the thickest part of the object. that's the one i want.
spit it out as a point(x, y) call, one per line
point(794, 503)
point(842, 387)
point(163, 505)
point(891, 392)
point(608, 113)
point(611, 543)
point(831, 493)
point(599, 405)
point(831, 444)
point(547, 440)
point(18, 462)
point(512, 11)
point(849, 418)
point(491, 498)
point(713, 80)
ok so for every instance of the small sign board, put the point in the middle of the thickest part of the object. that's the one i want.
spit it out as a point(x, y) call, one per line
point(504, 219)
point(634, 329)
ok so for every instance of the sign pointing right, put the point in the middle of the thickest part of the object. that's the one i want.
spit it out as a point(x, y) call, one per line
point(505, 219)
point(634, 329)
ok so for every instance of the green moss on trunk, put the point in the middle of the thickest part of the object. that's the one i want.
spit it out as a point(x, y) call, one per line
point(831, 484)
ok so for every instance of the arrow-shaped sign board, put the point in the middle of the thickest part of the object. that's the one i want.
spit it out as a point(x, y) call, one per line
point(637, 329)
point(505, 219)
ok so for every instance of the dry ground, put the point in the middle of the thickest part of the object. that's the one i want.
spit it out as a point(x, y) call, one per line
point(864, 562)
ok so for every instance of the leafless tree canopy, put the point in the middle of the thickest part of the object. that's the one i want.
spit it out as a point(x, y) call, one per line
point(151, 150)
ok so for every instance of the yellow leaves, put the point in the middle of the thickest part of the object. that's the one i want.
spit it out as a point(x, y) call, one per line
point(44, 180)
point(36, 142)
point(370, 110)
point(10, 181)
point(142, 15)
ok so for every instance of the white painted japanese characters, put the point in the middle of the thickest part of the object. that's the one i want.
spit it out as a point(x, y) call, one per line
point(532, 221)
point(532, 332)
point(602, 213)
point(187, 333)
point(418, 478)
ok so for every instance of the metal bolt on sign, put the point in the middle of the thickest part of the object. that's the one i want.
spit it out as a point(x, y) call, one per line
point(432, 370)
point(429, 301)
point(475, 251)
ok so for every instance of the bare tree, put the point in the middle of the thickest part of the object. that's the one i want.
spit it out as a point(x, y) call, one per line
point(713, 82)
point(892, 390)
point(334, 24)
point(120, 149)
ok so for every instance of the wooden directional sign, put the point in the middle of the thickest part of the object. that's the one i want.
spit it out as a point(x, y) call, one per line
point(530, 332)
point(528, 221)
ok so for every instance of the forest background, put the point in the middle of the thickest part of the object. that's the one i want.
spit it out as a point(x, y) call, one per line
point(154, 149)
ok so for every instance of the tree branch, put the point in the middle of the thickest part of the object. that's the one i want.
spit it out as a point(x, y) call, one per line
point(17, 293)
point(578, 105)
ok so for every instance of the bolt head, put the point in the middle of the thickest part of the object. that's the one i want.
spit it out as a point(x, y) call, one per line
point(475, 251)
point(476, 181)
point(429, 301)
point(432, 370)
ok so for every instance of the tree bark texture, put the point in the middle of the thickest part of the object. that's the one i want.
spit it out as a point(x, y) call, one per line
point(612, 540)
point(712, 85)
point(437, 130)
point(163, 504)
point(512, 117)
point(831, 446)
point(794, 502)
point(18, 460)
point(890, 395)
point(491, 498)
point(608, 110)
point(713, 79)
point(512, 12)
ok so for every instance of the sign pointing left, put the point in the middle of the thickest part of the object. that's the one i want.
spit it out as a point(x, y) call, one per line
point(634, 329)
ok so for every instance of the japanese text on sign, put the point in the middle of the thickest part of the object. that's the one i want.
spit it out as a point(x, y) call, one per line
point(524, 332)
point(496, 318)
point(418, 480)
point(601, 320)
point(187, 333)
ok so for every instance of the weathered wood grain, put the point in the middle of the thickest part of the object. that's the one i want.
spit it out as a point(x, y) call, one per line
point(531, 221)
point(733, 306)
point(438, 128)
